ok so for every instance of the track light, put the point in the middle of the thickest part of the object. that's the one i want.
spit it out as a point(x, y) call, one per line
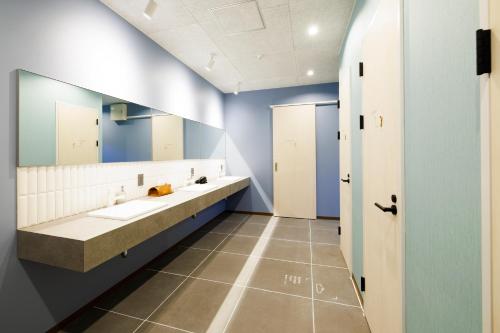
point(237, 90)
point(150, 10)
point(211, 62)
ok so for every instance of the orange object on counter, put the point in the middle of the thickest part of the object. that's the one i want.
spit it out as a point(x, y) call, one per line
point(160, 190)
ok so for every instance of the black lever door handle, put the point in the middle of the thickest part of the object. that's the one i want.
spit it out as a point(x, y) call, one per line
point(393, 209)
point(348, 180)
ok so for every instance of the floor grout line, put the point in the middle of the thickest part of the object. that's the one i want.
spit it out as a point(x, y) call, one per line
point(268, 258)
point(163, 302)
point(312, 279)
point(272, 238)
point(255, 288)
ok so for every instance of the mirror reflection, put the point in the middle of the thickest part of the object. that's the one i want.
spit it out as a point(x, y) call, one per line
point(62, 124)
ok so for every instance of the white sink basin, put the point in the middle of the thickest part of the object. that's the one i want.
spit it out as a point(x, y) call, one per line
point(198, 187)
point(230, 178)
point(128, 210)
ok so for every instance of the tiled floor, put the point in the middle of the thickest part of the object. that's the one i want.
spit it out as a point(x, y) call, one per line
point(239, 273)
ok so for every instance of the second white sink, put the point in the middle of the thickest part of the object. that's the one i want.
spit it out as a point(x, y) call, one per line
point(198, 187)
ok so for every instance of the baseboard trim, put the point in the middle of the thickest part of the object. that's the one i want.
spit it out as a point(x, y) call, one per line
point(60, 326)
point(328, 218)
point(250, 213)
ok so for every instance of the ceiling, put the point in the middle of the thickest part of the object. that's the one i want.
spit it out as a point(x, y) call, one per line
point(258, 44)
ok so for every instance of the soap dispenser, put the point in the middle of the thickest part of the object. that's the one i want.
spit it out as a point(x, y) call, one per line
point(121, 196)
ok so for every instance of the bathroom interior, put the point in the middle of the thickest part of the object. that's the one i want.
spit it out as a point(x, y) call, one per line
point(250, 166)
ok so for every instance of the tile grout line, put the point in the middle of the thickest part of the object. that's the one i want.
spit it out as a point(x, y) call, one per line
point(312, 279)
point(141, 319)
point(272, 238)
point(268, 258)
point(163, 302)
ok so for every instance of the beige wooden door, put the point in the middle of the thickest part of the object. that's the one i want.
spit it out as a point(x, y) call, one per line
point(382, 169)
point(345, 167)
point(77, 133)
point(294, 152)
point(168, 138)
point(495, 160)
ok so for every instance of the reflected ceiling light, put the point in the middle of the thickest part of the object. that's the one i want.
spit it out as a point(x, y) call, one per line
point(313, 30)
point(237, 90)
point(211, 62)
point(150, 10)
point(310, 72)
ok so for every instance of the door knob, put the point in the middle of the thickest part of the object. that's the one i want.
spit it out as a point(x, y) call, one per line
point(393, 209)
point(348, 180)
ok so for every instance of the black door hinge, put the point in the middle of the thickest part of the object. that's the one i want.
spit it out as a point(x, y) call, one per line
point(338, 135)
point(363, 284)
point(97, 143)
point(361, 122)
point(97, 121)
point(338, 104)
point(361, 69)
point(483, 51)
point(340, 230)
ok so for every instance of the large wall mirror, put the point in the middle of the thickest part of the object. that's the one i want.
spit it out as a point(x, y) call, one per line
point(62, 124)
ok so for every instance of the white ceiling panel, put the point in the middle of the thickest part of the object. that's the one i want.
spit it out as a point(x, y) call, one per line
point(261, 43)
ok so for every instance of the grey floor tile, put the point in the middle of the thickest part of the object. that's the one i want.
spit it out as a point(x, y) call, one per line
point(285, 250)
point(250, 229)
point(233, 217)
point(239, 244)
point(331, 318)
point(334, 284)
point(281, 276)
point(292, 222)
point(141, 294)
point(263, 312)
point(193, 306)
point(223, 267)
point(325, 236)
point(225, 227)
point(180, 260)
point(324, 224)
point(148, 327)
point(324, 254)
point(99, 321)
point(205, 241)
point(291, 233)
point(259, 219)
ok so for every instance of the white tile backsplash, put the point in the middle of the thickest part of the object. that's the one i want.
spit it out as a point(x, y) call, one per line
point(48, 193)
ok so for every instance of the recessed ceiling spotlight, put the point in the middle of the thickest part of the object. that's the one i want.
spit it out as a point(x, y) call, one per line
point(237, 90)
point(211, 62)
point(150, 10)
point(310, 72)
point(313, 30)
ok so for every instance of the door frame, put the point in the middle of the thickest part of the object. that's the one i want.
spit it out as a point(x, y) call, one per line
point(486, 217)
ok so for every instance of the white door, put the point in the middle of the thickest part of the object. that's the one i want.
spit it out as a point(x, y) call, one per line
point(77, 132)
point(382, 169)
point(294, 151)
point(168, 138)
point(495, 159)
point(345, 167)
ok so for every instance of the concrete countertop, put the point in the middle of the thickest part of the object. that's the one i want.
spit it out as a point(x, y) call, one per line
point(81, 242)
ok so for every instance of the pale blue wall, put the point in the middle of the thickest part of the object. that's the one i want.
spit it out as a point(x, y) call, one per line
point(65, 39)
point(442, 168)
point(327, 161)
point(248, 120)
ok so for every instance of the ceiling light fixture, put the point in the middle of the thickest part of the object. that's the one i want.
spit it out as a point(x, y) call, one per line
point(313, 30)
point(310, 72)
point(150, 10)
point(211, 62)
point(237, 90)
